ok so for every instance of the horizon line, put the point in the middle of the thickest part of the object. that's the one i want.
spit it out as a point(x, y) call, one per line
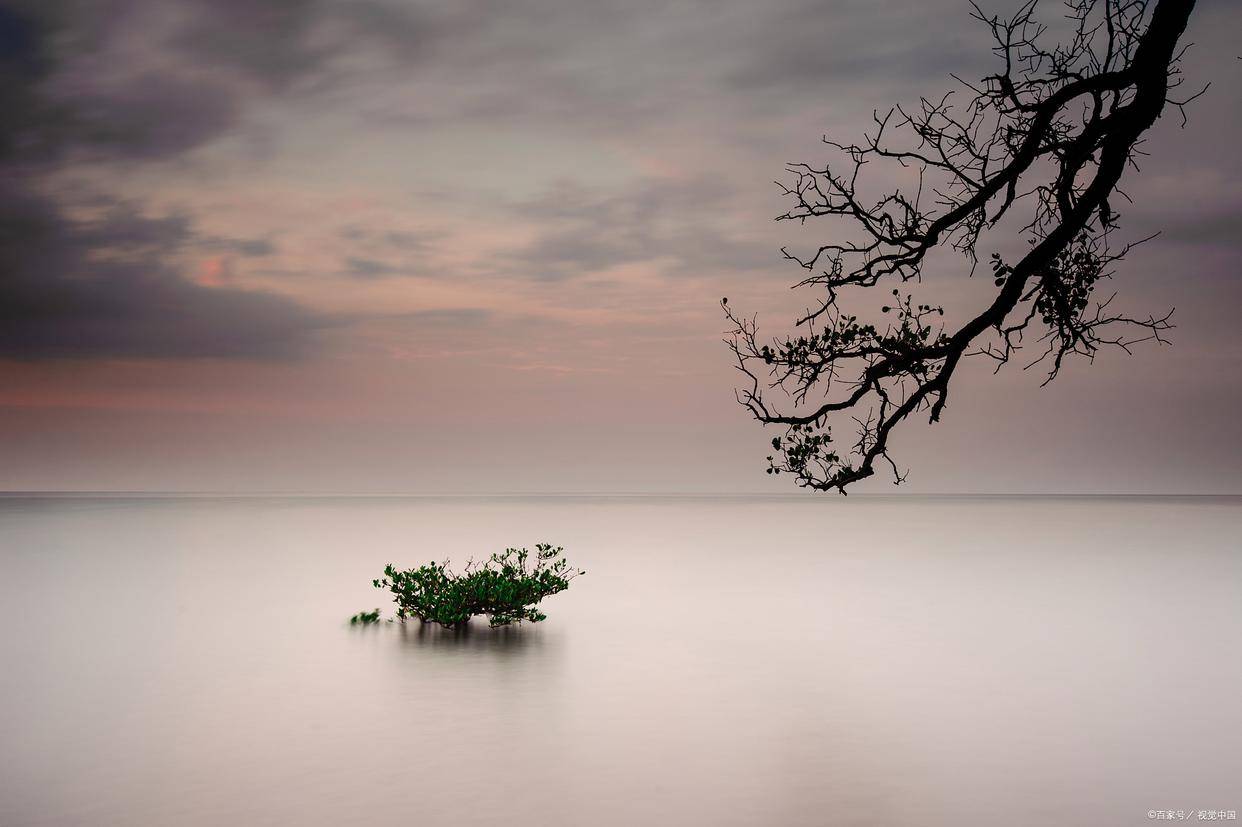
point(704, 494)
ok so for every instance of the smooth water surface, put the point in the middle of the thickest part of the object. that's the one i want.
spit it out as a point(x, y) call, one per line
point(883, 661)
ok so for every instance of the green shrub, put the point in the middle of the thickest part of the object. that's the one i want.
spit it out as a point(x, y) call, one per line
point(507, 587)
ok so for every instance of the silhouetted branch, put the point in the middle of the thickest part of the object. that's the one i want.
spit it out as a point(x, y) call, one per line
point(1052, 133)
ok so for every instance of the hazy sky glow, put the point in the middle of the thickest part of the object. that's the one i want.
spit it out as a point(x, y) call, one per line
point(387, 245)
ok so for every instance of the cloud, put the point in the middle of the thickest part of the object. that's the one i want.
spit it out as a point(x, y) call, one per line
point(374, 251)
point(112, 286)
point(85, 84)
point(445, 317)
point(801, 46)
point(629, 66)
point(366, 268)
point(677, 223)
point(248, 247)
point(122, 85)
point(148, 79)
point(409, 241)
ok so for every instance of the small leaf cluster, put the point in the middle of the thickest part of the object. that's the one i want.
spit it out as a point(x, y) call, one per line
point(803, 446)
point(911, 332)
point(1000, 270)
point(365, 618)
point(845, 334)
point(846, 337)
point(507, 587)
point(1068, 284)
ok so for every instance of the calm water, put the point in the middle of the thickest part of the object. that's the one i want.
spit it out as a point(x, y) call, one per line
point(724, 662)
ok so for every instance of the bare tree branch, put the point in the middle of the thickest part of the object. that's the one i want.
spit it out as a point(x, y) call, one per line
point(1043, 142)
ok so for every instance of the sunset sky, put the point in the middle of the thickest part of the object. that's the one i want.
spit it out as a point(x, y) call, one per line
point(468, 246)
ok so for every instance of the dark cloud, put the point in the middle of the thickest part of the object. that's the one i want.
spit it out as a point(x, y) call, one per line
point(25, 61)
point(366, 268)
point(151, 115)
point(146, 79)
point(135, 82)
point(409, 241)
point(378, 248)
point(74, 94)
point(108, 287)
point(78, 86)
point(271, 41)
point(249, 247)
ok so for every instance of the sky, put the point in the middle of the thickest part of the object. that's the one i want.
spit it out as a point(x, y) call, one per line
point(380, 246)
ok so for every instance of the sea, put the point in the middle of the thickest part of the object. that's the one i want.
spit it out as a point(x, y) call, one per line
point(725, 660)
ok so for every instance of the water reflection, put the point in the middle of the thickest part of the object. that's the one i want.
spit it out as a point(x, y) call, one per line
point(474, 637)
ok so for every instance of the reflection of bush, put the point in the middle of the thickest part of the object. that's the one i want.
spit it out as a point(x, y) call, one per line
point(507, 588)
